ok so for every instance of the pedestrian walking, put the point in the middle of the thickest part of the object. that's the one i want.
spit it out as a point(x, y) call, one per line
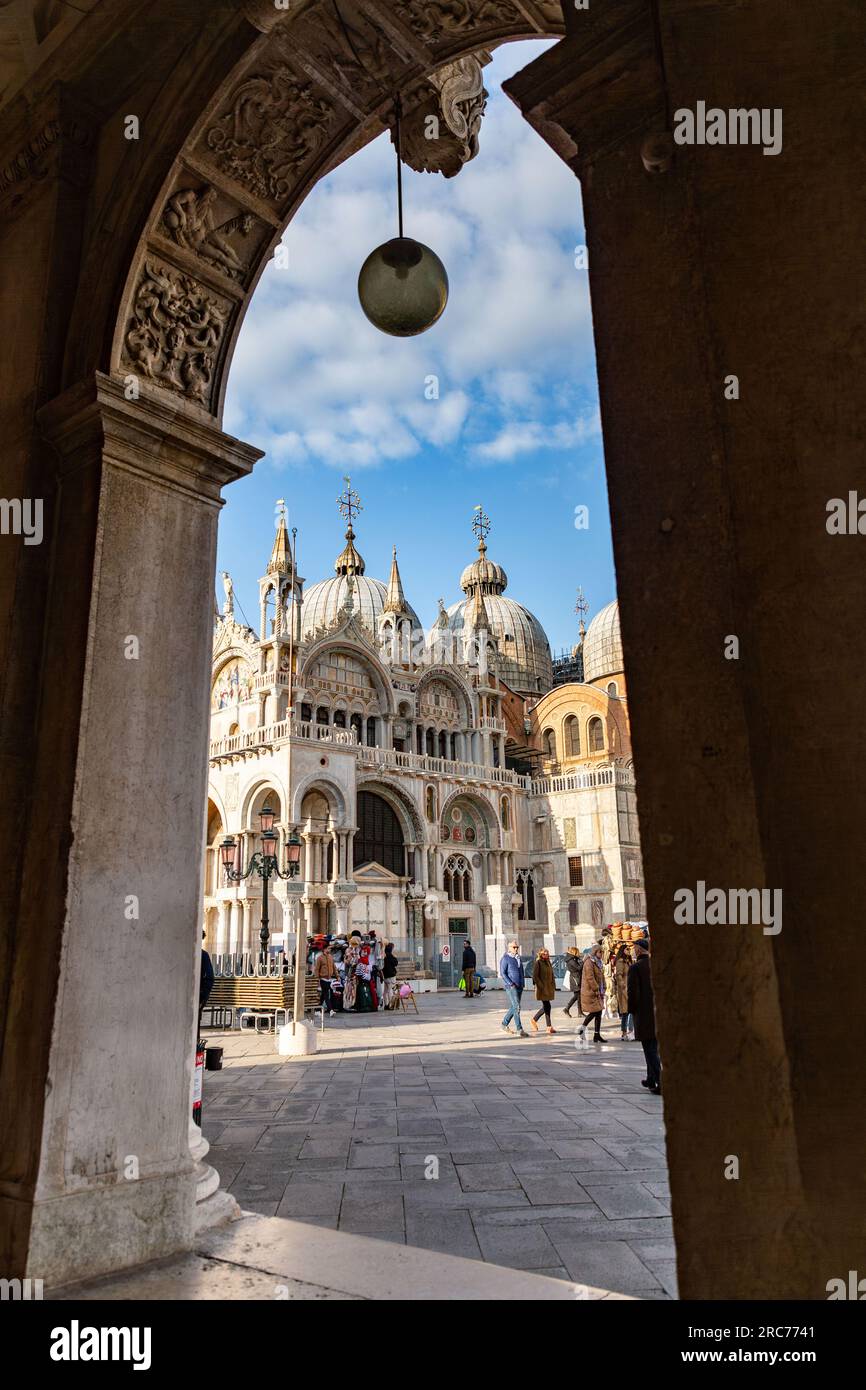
point(641, 1003)
point(592, 992)
point(389, 977)
point(545, 988)
point(513, 978)
point(469, 963)
point(325, 971)
point(620, 983)
point(573, 967)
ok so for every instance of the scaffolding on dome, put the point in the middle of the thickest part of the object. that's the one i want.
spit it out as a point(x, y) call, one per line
point(568, 667)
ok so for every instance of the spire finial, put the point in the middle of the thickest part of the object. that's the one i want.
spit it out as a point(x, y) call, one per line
point(349, 502)
point(581, 608)
point(349, 562)
point(481, 527)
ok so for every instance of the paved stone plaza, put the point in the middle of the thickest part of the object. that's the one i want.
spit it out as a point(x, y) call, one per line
point(550, 1158)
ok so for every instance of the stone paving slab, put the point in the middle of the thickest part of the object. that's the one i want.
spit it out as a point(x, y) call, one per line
point(549, 1157)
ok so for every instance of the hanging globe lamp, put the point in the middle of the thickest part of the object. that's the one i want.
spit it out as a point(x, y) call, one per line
point(403, 285)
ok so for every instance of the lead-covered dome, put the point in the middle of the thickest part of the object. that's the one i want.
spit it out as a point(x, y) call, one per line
point(602, 645)
point(325, 603)
point(524, 660)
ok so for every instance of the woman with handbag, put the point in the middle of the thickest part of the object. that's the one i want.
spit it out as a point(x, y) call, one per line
point(545, 988)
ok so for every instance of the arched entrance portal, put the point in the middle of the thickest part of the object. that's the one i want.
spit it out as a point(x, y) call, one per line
point(122, 341)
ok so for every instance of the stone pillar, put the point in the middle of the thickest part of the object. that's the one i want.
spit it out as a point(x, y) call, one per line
point(135, 521)
point(735, 379)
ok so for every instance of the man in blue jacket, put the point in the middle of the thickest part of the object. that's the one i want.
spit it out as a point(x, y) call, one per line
point(511, 973)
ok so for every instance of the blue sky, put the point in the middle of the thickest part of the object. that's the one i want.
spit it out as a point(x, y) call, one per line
point(516, 424)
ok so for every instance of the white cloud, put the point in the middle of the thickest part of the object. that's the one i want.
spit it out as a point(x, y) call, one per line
point(313, 381)
point(530, 436)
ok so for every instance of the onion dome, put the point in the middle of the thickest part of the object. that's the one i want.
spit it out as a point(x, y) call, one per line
point(523, 652)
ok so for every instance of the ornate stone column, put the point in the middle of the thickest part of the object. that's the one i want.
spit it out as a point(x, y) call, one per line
point(143, 477)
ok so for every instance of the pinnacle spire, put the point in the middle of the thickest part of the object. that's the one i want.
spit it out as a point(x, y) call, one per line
point(395, 601)
point(281, 555)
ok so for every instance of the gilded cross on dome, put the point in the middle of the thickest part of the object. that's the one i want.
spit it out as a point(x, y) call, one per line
point(349, 502)
point(481, 524)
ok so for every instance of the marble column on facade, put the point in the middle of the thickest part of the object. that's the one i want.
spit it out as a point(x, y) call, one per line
point(222, 940)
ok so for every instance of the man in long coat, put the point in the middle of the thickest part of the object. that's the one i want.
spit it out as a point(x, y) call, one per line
point(641, 1006)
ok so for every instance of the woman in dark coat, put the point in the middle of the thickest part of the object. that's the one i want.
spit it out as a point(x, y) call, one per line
point(545, 988)
point(573, 964)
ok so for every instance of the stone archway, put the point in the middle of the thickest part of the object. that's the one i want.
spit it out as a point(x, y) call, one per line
point(132, 491)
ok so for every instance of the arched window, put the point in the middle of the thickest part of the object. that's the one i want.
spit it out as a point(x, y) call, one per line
point(457, 879)
point(549, 741)
point(379, 836)
point(306, 713)
point(323, 715)
point(419, 738)
point(371, 732)
point(339, 719)
point(596, 736)
point(234, 729)
point(356, 723)
point(525, 887)
point(505, 813)
point(612, 690)
point(430, 745)
point(530, 898)
point(572, 737)
point(443, 744)
point(430, 804)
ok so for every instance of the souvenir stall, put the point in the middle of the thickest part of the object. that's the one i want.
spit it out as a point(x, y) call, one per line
point(357, 960)
point(616, 942)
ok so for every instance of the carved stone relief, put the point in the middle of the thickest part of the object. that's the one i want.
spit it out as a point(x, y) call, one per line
point(440, 134)
point(435, 20)
point(350, 47)
point(274, 125)
point(176, 331)
point(195, 218)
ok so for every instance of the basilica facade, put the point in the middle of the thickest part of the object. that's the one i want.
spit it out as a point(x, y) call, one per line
point(441, 782)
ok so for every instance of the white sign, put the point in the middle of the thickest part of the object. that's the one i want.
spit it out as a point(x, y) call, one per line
point(446, 952)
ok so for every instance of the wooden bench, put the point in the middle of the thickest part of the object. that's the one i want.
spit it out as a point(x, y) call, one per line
point(264, 994)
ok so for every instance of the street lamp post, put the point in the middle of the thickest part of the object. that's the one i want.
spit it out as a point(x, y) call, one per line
point(264, 863)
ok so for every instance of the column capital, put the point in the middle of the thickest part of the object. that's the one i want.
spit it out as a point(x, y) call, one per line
point(153, 437)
